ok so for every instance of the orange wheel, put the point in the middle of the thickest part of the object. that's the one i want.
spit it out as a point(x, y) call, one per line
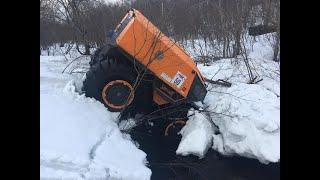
point(174, 127)
point(110, 80)
point(118, 94)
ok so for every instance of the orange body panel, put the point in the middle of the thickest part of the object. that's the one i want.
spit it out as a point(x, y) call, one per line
point(161, 55)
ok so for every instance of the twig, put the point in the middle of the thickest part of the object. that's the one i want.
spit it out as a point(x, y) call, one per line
point(220, 82)
point(80, 72)
point(71, 63)
point(212, 112)
point(231, 95)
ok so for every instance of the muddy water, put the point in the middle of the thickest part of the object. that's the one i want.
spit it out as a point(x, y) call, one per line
point(166, 165)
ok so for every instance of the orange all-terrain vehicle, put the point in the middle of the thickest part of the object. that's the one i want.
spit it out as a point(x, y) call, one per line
point(140, 70)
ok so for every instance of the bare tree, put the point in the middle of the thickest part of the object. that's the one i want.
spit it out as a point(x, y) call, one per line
point(220, 24)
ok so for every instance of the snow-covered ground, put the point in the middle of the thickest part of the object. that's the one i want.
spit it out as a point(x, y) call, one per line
point(247, 115)
point(80, 139)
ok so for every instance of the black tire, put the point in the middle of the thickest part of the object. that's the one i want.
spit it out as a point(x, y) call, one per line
point(113, 68)
point(170, 114)
point(181, 114)
point(101, 53)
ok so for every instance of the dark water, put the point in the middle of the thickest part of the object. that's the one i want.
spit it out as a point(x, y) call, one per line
point(165, 164)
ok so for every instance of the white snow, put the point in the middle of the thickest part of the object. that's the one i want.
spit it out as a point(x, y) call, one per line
point(196, 136)
point(247, 115)
point(79, 138)
point(249, 122)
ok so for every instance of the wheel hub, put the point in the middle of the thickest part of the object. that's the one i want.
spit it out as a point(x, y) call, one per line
point(174, 127)
point(115, 94)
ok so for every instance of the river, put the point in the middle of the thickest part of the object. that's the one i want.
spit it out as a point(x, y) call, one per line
point(166, 165)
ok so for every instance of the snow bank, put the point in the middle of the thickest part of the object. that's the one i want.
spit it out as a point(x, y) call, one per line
point(121, 158)
point(79, 138)
point(248, 118)
point(196, 136)
point(54, 173)
point(247, 115)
